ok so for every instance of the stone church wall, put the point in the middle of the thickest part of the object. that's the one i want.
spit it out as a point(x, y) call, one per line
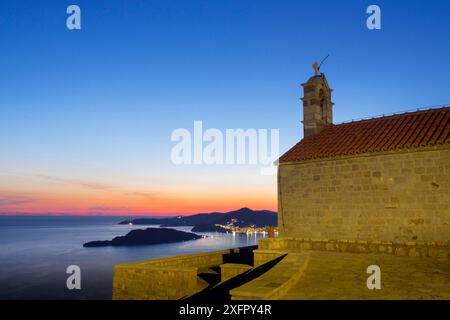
point(395, 196)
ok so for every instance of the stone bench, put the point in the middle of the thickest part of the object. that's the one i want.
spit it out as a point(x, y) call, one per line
point(275, 282)
point(436, 250)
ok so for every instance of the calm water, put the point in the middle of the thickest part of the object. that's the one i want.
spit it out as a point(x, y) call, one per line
point(35, 252)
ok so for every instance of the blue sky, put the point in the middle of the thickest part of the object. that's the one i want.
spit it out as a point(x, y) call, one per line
point(99, 104)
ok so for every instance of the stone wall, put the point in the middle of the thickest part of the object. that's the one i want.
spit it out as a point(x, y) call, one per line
point(153, 283)
point(167, 278)
point(231, 270)
point(170, 278)
point(263, 256)
point(394, 196)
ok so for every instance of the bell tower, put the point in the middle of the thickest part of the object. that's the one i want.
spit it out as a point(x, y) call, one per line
point(317, 105)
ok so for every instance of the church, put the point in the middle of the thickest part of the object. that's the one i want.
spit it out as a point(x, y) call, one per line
point(382, 179)
point(366, 196)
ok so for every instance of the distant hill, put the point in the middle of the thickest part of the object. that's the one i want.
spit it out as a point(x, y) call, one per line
point(146, 237)
point(245, 218)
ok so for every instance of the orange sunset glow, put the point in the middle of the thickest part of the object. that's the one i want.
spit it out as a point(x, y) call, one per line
point(50, 195)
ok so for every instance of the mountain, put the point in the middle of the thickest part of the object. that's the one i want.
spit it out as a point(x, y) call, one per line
point(245, 217)
point(146, 237)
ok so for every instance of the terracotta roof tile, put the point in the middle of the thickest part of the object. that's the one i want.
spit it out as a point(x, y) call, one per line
point(407, 130)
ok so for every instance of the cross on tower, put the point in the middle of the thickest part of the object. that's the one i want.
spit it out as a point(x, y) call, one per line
point(316, 68)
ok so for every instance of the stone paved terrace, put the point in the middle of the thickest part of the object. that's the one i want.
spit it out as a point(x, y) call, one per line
point(338, 275)
point(275, 282)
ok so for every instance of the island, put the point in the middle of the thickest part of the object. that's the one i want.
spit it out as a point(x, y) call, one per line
point(147, 236)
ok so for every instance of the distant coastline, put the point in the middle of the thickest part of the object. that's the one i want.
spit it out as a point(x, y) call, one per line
point(244, 220)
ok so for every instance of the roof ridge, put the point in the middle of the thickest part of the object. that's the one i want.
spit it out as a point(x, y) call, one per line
point(395, 114)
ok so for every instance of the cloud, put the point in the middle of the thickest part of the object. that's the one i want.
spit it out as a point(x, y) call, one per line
point(106, 208)
point(148, 195)
point(92, 185)
point(84, 184)
point(14, 200)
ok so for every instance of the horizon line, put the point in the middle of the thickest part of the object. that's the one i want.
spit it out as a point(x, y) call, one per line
point(100, 214)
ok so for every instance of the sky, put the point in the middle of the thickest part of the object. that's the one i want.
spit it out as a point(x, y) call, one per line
point(86, 116)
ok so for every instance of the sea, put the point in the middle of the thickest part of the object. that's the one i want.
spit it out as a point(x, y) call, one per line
point(35, 252)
